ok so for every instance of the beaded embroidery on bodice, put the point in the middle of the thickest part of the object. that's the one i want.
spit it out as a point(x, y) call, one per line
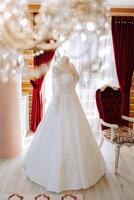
point(64, 81)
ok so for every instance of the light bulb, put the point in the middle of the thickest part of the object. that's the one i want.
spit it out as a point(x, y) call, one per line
point(15, 11)
point(78, 27)
point(1, 20)
point(7, 15)
point(2, 7)
point(37, 53)
point(23, 22)
point(91, 26)
point(41, 51)
point(83, 37)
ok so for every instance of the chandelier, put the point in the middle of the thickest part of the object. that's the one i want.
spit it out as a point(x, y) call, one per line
point(55, 22)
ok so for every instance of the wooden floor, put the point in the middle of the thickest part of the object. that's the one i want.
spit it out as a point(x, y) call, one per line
point(110, 187)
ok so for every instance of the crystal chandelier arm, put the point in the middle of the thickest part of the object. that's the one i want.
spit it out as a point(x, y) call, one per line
point(15, 41)
point(48, 46)
point(19, 42)
point(36, 72)
point(47, 29)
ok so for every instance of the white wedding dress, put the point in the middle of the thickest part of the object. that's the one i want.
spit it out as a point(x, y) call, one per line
point(64, 154)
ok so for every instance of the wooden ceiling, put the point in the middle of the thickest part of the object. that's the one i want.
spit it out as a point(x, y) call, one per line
point(34, 7)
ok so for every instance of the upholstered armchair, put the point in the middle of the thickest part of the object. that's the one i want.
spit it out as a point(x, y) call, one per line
point(108, 100)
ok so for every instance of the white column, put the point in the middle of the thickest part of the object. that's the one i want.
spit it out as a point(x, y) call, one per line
point(11, 139)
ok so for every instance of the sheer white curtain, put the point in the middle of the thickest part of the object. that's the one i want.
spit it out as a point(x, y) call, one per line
point(81, 50)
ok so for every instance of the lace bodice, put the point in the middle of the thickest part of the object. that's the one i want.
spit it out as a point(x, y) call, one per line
point(64, 81)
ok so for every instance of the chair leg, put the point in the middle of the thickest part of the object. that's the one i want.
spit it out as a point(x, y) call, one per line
point(101, 141)
point(117, 154)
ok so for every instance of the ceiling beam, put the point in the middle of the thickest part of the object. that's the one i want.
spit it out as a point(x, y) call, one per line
point(121, 11)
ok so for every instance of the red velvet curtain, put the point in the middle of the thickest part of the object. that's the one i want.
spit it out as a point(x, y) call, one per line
point(37, 104)
point(123, 42)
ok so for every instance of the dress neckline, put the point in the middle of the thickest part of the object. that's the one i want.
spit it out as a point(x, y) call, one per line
point(66, 71)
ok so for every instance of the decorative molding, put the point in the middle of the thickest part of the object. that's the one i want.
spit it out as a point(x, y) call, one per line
point(110, 86)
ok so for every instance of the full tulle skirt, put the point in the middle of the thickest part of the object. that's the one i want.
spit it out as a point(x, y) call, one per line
point(63, 154)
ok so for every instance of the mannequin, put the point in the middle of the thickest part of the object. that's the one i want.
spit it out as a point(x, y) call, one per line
point(60, 156)
point(69, 67)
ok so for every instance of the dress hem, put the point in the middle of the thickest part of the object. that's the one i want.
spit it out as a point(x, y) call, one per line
point(68, 189)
